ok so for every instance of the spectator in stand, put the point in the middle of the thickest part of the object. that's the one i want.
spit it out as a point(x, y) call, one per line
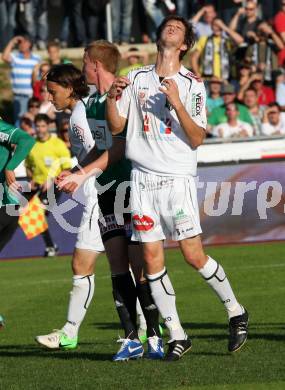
point(273, 122)
point(203, 19)
point(94, 11)
point(211, 56)
point(233, 127)
point(22, 63)
point(156, 12)
point(76, 24)
point(218, 115)
point(122, 20)
point(265, 93)
point(33, 108)
point(279, 26)
point(269, 8)
point(227, 9)
point(36, 16)
point(246, 19)
point(182, 8)
point(263, 50)
point(8, 10)
point(256, 111)
point(53, 49)
point(214, 98)
point(63, 133)
point(136, 58)
point(280, 89)
point(279, 21)
point(244, 69)
point(38, 82)
point(47, 151)
point(26, 124)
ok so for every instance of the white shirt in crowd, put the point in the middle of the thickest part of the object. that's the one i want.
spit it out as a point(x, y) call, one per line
point(224, 130)
point(156, 143)
point(268, 129)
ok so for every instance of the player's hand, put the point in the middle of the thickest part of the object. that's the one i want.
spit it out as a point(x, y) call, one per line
point(72, 182)
point(170, 89)
point(62, 176)
point(10, 177)
point(119, 84)
point(11, 180)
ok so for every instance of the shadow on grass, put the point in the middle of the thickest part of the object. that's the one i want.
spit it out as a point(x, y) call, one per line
point(29, 350)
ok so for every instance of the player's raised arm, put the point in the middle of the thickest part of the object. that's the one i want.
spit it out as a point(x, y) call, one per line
point(116, 121)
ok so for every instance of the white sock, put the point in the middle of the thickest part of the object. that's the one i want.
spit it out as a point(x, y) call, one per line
point(141, 318)
point(215, 276)
point(80, 298)
point(164, 298)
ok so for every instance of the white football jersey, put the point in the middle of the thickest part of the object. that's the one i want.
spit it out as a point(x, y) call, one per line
point(80, 135)
point(156, 142)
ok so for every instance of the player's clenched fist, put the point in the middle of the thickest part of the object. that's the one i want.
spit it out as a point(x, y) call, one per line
point(119, 84)
point(170, 89)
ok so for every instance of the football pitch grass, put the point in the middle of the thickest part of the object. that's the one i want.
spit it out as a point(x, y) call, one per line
point(33, 299)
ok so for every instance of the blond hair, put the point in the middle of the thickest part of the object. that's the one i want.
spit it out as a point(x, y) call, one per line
point(105, 52)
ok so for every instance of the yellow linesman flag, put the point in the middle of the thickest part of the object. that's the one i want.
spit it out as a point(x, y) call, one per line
point(33, 220)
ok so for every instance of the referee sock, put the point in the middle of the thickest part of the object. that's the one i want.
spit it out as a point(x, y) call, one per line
point(125, 297)
point(215, 276)
point(80, 298)
point(164, 298)
point(149, 309)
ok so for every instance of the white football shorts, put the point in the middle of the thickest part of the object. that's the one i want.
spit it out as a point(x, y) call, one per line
point(163, 207)
point(89, 236)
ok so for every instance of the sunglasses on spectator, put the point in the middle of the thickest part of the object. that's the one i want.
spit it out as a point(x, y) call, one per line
point(34, 106)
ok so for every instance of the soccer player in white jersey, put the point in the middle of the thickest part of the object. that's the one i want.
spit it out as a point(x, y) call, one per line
point(68, 90)
point(164, 107)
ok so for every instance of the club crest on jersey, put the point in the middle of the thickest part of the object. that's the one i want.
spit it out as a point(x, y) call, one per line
point(197, 103)
point(4, 137)
point(192, 75)
point(78, 132)
point(142, 223)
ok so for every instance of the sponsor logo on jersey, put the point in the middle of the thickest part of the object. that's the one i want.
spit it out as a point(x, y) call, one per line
point(4, 137)
point(142, 223)
point(192, 75)
point(197, 104)
point(165, 126)
point(78, 132)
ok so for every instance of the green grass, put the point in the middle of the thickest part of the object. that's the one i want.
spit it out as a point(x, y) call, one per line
point(34, 296)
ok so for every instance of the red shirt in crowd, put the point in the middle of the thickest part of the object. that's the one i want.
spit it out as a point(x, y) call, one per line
point(266, 96)
point(279, 22)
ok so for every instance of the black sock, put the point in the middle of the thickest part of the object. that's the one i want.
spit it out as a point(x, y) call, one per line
point(149, 309)
point(47, 238)
point(125, 297)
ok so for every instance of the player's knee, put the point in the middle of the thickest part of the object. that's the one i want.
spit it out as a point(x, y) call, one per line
point(196, 258)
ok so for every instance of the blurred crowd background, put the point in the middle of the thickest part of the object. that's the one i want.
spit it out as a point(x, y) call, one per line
point(239, 53)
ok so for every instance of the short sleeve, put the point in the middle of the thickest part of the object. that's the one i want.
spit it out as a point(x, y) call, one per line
point(123, 103)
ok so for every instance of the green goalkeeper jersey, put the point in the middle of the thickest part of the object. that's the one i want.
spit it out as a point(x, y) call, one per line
point(9, 136)
point(95, 113)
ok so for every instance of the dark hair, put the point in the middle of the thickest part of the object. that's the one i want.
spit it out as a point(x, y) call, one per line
point(33, 100)
point(26, 121)
point(275, 104)
point(250, 89)
point(189, 37)
point(42, 117)
point(68, 76)
point(53, 44)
